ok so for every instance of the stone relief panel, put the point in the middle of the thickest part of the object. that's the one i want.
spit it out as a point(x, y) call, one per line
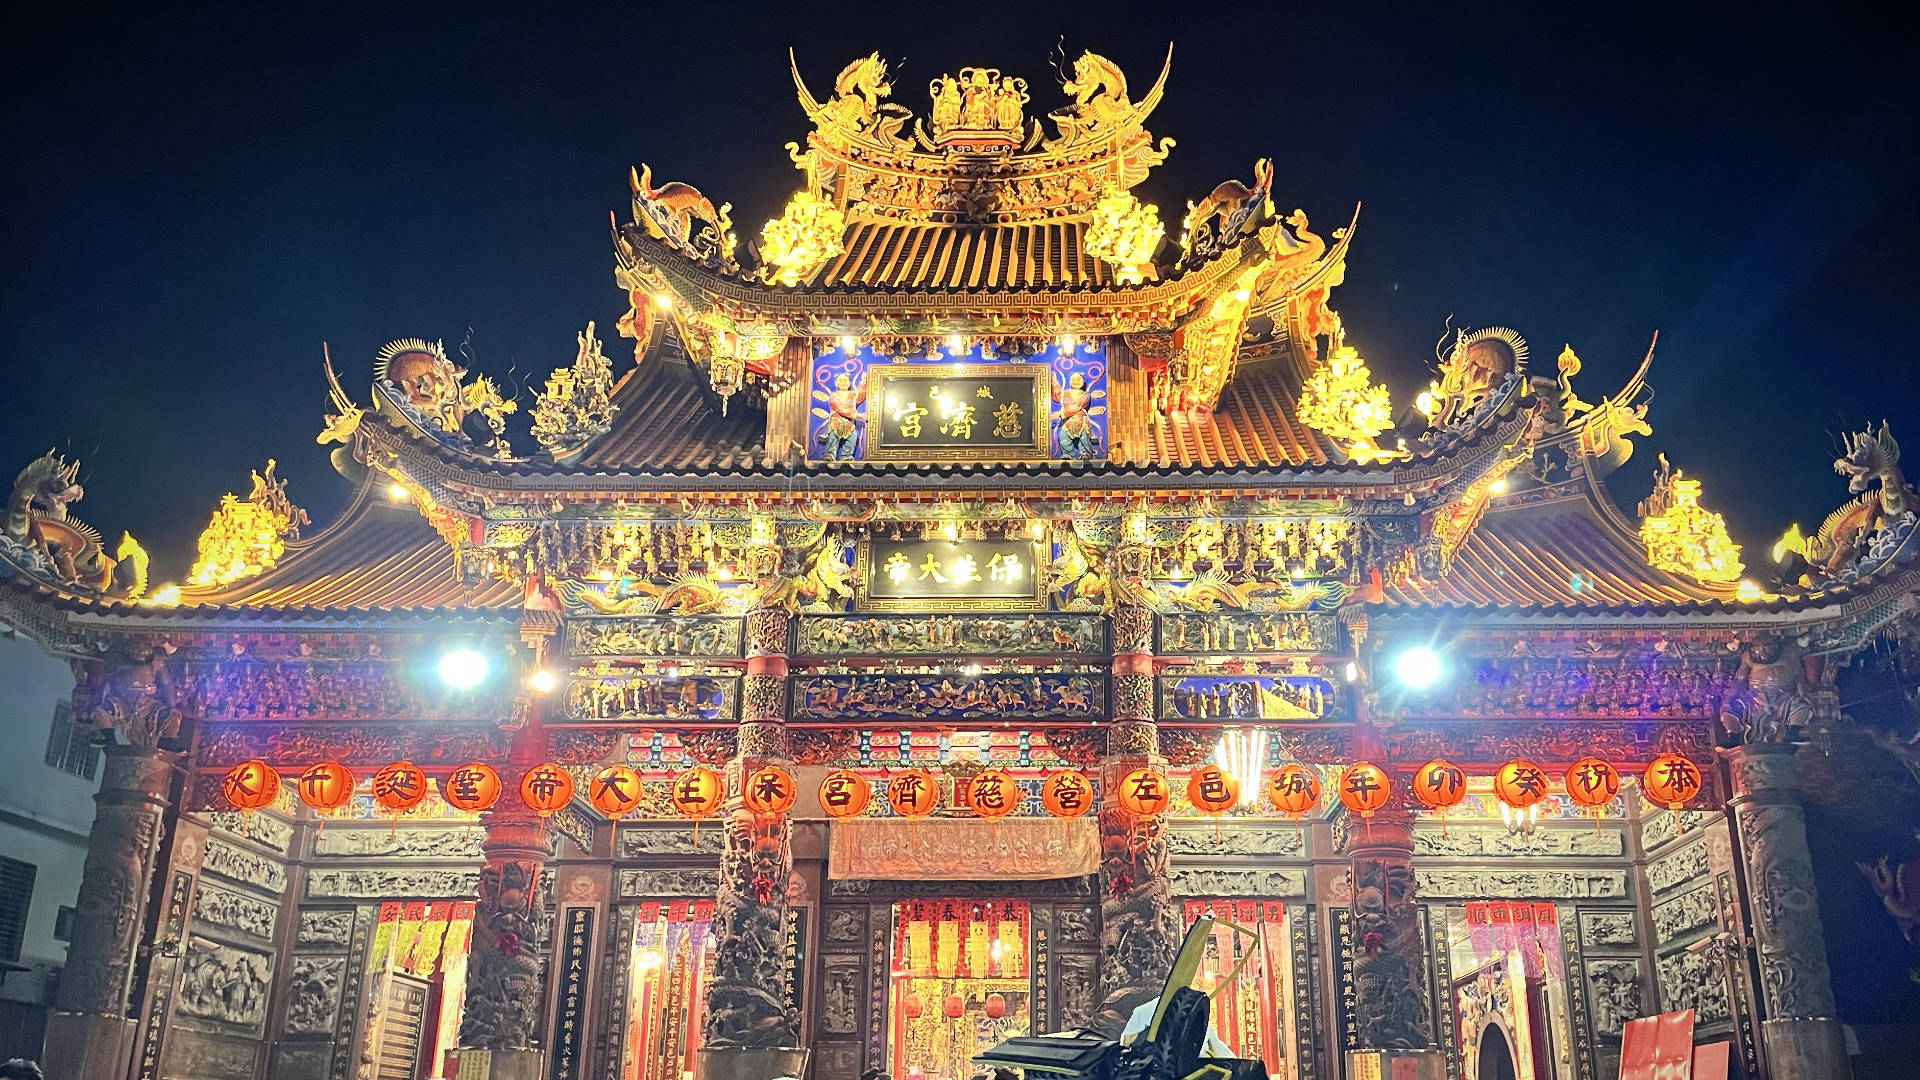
point(1521, 884)
point(325, 926)
point(1457, 842)
point(841, 924)
point(372, 884)
point(209, 1057)
point(1693, 981)
point(641, 843)
point(1232, 840)
point(1074, 979)
point(263, 829)
point(421, 843)
point(1263, 883)
point(837, 1060)
point(292, 1061)
point(1615, 994)
point(226, 985)
point(1608, 930)
point(313, 993)
point(840, 996)
point(649, 883)
point(239, 864)
point(1661, 826)
point(235, 912)
point(1073, 926)
point(1678, 867)
point(1685, 913)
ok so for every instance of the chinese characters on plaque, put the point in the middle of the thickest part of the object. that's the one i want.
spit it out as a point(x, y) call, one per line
point(950, 572)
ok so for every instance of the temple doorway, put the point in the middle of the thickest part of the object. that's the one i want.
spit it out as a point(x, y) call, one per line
point(417, 980)
point(1249, 971)
point(1496, 1056)
point(960, 982)
point(667, 973)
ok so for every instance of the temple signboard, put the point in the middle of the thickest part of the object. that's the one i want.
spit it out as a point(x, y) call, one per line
point(948, 575)
point(957, 410)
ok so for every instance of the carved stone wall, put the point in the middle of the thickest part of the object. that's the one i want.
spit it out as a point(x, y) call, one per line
point(313, 994)
point(375, 883)
point(1389, 1008)
point(1522, 884)
point(1474, 842)
point(429, 842)
point(226, 986)
point(233, 912)
point(115, 882)
point(1783, 904)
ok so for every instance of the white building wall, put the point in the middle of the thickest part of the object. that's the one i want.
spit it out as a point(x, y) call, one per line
point(45, 812)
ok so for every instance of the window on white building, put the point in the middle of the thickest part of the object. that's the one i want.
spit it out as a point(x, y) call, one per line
point(16, 894)
point(70, 746)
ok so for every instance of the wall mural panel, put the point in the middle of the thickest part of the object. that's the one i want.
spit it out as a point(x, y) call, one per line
point(949, 697)
point(592, 697)
point(1234, 697)
point(1286, 632)
point(953, 634)
point(692, 635)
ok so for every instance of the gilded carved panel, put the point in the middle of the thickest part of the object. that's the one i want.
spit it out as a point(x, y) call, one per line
point(1034, 633)
point(654, 636)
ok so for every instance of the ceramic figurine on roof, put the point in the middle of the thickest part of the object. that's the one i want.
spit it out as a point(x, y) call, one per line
point(427, 388)
point(1870, 530)
point(44, 539)
point(574, 409)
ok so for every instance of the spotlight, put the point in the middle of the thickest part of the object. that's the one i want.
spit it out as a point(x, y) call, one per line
point(397, 492)
point(1498, 487)
point(1352, 672)
point(663, 300)
point(956, 344)
point(542, 681)
point(1418, 668)
point(462, 669)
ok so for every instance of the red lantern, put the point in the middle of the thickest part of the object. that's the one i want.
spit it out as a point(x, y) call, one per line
point(1294, 790)
point(1520, 783)
point(473, 787)
point(844, 794)
point(913, 793)
point(994, 794)
point(546, 788)
point(697, 792)
point(326, 786)
point(769, 792)
point(1671, 781)
point(1439, 784)
point(615, 791)
point(250, 786)
point(1365, 788)
point(1067, 794)
point(1592, 783)
point(996, 1006)
point(955, 1006)
point(1144, 793)
point(912, 1007)
point(400, 787)
point(1211, 790)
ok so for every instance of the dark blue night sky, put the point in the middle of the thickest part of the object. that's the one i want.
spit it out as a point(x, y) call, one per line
point(195, 202)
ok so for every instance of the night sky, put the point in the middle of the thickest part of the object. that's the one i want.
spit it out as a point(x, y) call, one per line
point(195, 202)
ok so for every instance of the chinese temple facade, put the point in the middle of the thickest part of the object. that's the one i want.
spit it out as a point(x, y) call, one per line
point(968, 475)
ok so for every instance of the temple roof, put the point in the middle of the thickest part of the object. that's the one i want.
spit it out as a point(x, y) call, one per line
point(883, 254)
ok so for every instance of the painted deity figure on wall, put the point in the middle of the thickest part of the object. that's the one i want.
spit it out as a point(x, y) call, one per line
point(840, 435)
point(1074, 409)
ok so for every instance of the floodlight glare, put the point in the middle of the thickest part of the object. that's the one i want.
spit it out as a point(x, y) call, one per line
point(1418, 668)
point(462, 669)
point(543, 680)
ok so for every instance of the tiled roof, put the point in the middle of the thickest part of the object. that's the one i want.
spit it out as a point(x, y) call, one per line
point(664, 423)
point(1556, 555)
point(1030, 255)
point(377, 557)
point(1255, 424)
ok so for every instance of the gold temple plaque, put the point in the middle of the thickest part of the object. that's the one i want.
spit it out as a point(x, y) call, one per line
point(958, 412)
point(918, 575)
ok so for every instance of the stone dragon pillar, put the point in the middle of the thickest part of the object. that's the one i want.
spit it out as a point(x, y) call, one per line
point(1139, 925)
point(747, 1027)
point(1390, 1009)
point(90, 1033)
point(1771, 713)
point(503, 1006)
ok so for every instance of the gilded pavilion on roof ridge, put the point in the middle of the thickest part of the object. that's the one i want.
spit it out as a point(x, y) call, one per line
point(966, 462)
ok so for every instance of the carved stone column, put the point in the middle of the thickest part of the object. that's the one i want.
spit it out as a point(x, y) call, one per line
point(89, 1035)
point(1390, 961)
point(1801, 1035)
point(1139, 924)
point(504, 1002)
point(747, 1029)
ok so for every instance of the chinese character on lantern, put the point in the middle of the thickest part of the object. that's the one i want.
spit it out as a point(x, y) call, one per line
point(546, 788)
point(769, 791)
point(400, 787)
point(1067, 794)
point(1211, 790)
point(844, 794)
point(615, 791)
point(250, 786)
point(1294, 790)
point(994, 794)
point(1671, 781)
point(326, 786)
point(913, 793)
point(1365, 788)
point(1520, 784)
point(697, 792)
point(1144, 793)
point(473, 787)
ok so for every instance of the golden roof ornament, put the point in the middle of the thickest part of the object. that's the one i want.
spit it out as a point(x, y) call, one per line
point(801, 239)
point(1341, 400)
point(1681, 536)
point(41, 537)
point(1867, 531)
point(1124, 234)
point(427, 387)
point(575, 408)
point(247, 536)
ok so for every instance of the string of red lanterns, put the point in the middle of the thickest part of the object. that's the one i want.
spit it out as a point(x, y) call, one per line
point(1591, 783)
